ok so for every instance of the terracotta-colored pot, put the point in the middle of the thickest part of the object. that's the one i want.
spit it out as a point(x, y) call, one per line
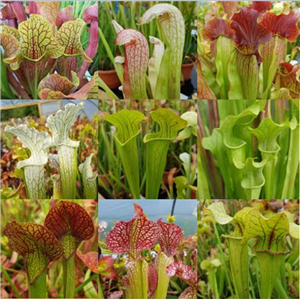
point(83, 81)
point(111, 78)
point(186, 70)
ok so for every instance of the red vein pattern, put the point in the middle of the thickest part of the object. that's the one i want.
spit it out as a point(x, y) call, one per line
point(288, 78)
point(182, 271)
point(185, 272)
point(283, 25)
point(189, 293)
point(37, 39)
point(70, 219)
point(170, 237)
point(57, 83)
point(10, 45)
point(261, 6)
point(36, 244)
point(133, 236)
point(249, 34)
point(69, 36)
point(152, 281)
point(55, 86)
point(216, 27)
point(136, 62)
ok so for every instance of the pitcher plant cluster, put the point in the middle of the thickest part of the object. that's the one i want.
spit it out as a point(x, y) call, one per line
point(43, 56)
point(66, 225)
point(248, 51)
point(238, 140)
point(64, 161)
point(260, 250)
point(131, 131)
point(147, 250)
point(142, 76)
point(253, 154)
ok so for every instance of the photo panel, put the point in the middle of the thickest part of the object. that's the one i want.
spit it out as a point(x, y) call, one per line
point(248, 50)
point(147, 50)
point(49, 50)
point(162, 159)
point(147, 149)
point(248, 249)
point(49, 249)
point(148, 249)
point(248, 149)
point(49, 149)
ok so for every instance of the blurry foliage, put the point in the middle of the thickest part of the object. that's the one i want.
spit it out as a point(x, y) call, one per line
point(19, 112)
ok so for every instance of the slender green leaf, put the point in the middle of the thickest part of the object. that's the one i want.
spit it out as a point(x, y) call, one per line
point(157, 145)
point(128, 128)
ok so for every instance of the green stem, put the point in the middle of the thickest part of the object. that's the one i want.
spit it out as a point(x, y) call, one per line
point(128, 127)
point(35, 83)
point(175, 285)
point(223, 109)
point(106, 45)
point(156, 159)
point(68, 170)
point(269, 173)
point(56, 186)
point(38, 290)
point(269, 266)
point(281, 293)
point(129, 158)
point(138, 279)
point(282, 276)
point(213, 283)
point(188, 192)
point(238, 258)
point(256, 274)
point(89, 179)
point(157, 146)
point(69, 277)
point(239, 192)
point(124, 17)
point(133, 16)
point(240, 106)
point(5, 88)
point(90, 189)
point(221, 277)
point(281, 162)
point(82, 285)
point(226, 170)
point(5, 274)
point(294, 254)
point(35, 182)
point(292, 165)
point(100, 292)
point(224, 260)
point(203, 187)
point(163, 278)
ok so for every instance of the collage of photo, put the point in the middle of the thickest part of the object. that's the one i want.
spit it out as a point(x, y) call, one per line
point(149, 149)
